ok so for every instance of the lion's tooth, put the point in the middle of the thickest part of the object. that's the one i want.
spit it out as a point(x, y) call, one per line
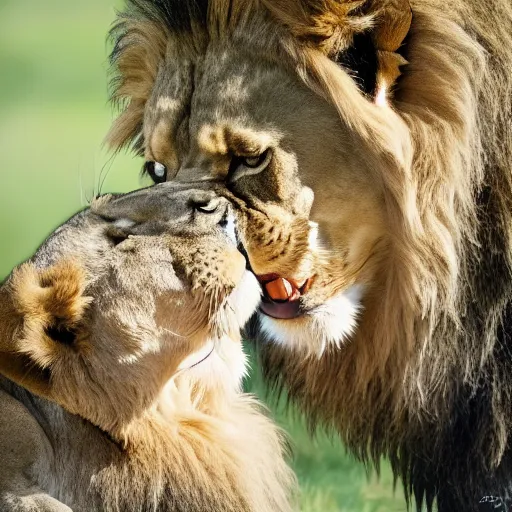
point(295, 295)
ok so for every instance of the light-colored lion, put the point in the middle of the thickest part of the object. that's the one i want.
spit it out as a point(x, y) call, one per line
point(121, 366)
point(387, 305)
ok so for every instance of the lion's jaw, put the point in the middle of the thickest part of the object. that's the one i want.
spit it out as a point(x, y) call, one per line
point(220, 364)
point(330, 287)
point(328, 325)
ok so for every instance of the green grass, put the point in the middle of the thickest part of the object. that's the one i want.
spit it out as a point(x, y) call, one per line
point(53, 117)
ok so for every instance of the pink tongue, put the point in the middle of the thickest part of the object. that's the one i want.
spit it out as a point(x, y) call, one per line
point(282, 299)
point(281, 310)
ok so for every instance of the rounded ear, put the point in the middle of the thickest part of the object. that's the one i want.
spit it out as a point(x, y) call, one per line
point(364, 36)
point(40, 313)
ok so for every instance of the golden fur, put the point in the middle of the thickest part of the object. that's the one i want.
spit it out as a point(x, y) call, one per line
point(402, 344)
point(121, 366)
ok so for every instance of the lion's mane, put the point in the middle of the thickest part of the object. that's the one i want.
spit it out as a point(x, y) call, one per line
point(427, 379)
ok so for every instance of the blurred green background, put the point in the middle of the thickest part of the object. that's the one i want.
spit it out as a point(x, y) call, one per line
point(53, 117)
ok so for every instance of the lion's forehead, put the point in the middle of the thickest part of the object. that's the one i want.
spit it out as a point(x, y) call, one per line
point(216, 93)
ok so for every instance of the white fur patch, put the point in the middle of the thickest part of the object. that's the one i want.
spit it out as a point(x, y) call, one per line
point(225, 366)
point(222, 361)
point(245, 298)
point(328, 325)
point(230, 228)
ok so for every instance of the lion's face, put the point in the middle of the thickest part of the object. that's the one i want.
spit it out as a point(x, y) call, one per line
point(259, 97)
point(307, 201)
point(130, 294)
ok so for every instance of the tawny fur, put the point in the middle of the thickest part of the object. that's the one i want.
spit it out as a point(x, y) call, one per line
point(121, 367)
point(413, 197)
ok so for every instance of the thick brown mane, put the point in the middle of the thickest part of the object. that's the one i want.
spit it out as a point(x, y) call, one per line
point(438, 336)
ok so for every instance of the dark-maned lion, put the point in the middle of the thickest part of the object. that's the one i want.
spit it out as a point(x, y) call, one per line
point(121, 366)
point(389, 318)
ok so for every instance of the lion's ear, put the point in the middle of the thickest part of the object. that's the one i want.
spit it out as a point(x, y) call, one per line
point(40, 314)
point(364, 36)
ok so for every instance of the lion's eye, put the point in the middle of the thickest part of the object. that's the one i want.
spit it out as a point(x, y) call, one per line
point(207, 207)
point(246, 165)
point(254, 161)
point(156, 171)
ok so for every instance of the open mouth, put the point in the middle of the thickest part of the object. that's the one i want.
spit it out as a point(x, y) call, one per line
point(281, 296)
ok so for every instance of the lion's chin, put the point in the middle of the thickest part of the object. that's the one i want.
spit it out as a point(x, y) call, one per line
point(221, 361)
point(328, 325)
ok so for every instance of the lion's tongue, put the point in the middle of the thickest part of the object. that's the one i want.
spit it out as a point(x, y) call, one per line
point(281, 299)
point(282, 289)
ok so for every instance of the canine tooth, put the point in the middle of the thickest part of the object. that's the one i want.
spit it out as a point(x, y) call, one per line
point(295, 295)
